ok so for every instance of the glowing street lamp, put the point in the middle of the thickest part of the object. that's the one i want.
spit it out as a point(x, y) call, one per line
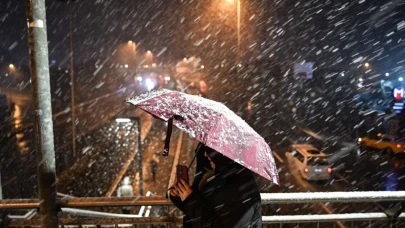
point(149, 52)
point(367, 65)
point(387, 74)
point(11, 66)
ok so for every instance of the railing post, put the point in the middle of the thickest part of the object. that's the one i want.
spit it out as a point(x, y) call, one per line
point(38, 49)
point(139, 155)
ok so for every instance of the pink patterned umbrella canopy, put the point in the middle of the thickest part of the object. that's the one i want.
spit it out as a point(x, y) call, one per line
point(213, 124)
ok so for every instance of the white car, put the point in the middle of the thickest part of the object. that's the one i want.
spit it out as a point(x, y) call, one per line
point(310, 162)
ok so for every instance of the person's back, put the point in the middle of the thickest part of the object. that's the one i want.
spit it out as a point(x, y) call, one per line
point(126, 189)
point(236, 197)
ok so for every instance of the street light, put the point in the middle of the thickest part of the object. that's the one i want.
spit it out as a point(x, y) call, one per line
point(367, 65)
point(149, 52)
point(11, 66)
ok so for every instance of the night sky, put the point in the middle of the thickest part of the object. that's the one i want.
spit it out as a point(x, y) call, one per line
point(333, 34)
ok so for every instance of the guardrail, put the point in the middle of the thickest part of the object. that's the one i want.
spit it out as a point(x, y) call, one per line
point(68, 204)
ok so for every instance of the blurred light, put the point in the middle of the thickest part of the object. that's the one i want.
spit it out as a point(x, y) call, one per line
point(130, 41)
point(387, 74)
point(11, 66)
point(149, 84)
point(360, 79)
point(359, 139)
point(6, 74)
point(382, 81)
point(126, 65)
point(185, 59)
point(139, 78)
point(239, 65)
point(148, 52)
point(145, 66)
point(229, 0)
point(66, 71)
point(329, 170)
point(122, 120)
point(306, 170)
point(202, 66)
point(396, 164)
point(342, 74)
point(153, 64)
point(367, 65)
point(167, 78)
point(400, 79)
point(53, 61)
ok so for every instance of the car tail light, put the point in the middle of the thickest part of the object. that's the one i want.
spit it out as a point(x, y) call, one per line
point(399, 145)
point(306, 170)
point(329, 170)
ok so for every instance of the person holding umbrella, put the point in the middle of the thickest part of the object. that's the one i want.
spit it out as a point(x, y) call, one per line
point(222, 195)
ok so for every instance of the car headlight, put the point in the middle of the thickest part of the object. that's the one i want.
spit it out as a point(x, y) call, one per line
point(359, 139)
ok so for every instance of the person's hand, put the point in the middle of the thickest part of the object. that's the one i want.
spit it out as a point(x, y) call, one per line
point(174, 192)
point(183, 189)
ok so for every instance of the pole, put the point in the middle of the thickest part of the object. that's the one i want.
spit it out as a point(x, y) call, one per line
point(1, 189)
point(238, 24)
point(139, 155)
point(72, 87)
point(38, 50)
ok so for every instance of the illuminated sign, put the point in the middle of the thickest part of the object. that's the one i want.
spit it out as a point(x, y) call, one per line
point(398, 93)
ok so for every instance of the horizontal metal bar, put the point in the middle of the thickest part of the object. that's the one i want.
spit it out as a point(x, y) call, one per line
point(337, 197)
point(101, 221)
point(114, 201)
point(325, 217)
point(19, 204)
point(89, 202)
point(96, 214)
point(267, 198)
point(169, 220)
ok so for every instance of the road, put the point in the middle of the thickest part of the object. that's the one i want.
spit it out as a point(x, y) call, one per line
point(104, 148)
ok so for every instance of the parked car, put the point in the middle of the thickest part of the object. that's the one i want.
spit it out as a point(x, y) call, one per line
point(389, 144)
point(311, 163)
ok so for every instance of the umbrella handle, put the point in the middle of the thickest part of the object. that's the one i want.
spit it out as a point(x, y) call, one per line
point(168, 136)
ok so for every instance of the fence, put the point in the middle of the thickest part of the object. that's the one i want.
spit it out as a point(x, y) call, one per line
point(70, 205)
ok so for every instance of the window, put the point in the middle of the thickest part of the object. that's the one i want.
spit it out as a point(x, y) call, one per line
point(315, 161)
point(298, 155)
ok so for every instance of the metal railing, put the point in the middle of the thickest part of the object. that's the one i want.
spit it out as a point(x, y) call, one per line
point(69, 205)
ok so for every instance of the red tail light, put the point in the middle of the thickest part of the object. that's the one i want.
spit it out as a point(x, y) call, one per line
point(329, 170)
point(396, 164)
point(399, 145)
point(306, 170)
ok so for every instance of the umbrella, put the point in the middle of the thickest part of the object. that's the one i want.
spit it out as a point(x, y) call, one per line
point(213, 124)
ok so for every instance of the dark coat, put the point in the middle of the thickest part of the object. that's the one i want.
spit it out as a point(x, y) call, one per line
point(230, 198)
